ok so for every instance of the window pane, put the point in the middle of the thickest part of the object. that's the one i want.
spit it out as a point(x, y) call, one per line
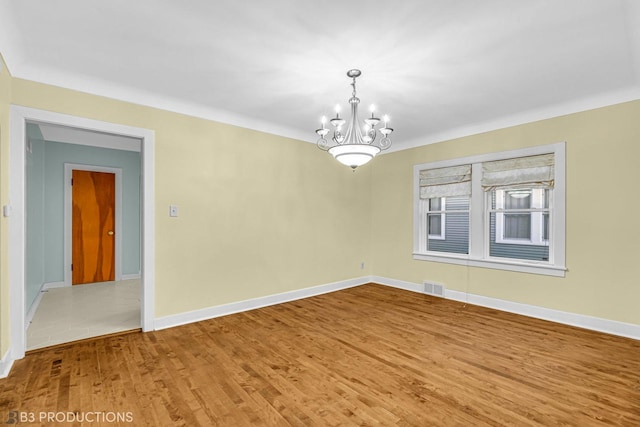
point(435, 204)
point(517, 226)
point(460, 203)
point(517, 199)
point(454, 227)
point(546, 198)
point(435, 224)
point(514, 249)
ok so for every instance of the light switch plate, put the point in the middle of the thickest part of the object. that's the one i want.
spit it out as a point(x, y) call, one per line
point(173, 211)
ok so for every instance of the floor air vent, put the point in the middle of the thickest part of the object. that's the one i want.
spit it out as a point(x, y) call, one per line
point(434, 289)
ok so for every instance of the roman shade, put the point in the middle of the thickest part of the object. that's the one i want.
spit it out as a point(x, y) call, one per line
point(531, 172)
point(445, 182)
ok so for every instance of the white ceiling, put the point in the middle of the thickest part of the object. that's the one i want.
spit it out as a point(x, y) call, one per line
point(439, 68)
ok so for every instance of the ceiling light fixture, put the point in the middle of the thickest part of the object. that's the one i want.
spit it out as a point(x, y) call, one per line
point(356, 146)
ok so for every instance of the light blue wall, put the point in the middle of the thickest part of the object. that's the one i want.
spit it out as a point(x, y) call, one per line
point(45, 208)
point(56, 155)
point(35, 218)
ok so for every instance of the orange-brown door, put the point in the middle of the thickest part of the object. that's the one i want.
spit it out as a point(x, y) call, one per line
point(93, 226)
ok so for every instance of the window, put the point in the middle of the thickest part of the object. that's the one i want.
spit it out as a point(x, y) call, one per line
point(519, 223)
point(447, 224)
point(500, 210)
point(444, 209)
point(436, 221)
point(522, 216)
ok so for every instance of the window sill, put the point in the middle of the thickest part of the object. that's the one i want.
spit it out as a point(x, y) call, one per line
point(498, 264)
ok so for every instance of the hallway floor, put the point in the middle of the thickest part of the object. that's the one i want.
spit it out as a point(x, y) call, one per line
point(83, 311)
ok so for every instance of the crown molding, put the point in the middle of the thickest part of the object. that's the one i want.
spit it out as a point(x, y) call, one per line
point(563, 109)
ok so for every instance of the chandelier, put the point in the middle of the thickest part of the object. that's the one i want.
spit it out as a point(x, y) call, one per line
point(355, 146)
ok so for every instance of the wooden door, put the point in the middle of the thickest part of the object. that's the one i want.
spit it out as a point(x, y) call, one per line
point(93, 226)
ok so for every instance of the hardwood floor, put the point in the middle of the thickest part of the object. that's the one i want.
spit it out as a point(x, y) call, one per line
point(370, 355)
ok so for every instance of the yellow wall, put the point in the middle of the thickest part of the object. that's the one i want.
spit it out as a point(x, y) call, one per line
point(259, 214)
point(262, 214)
point(603, 147)
point(5, 96)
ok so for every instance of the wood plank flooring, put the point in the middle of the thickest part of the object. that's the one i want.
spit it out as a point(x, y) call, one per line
point(370, 355)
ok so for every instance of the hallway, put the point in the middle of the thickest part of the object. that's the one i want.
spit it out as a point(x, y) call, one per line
point(83, 311)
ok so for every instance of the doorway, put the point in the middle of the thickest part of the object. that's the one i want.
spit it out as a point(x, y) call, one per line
point(19, 117)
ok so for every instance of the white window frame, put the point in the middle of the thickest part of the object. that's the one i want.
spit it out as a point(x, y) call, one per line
point(478, 231)
point(536, 211)
point(443, 218)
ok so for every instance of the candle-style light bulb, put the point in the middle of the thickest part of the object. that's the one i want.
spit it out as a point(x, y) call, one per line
point(323, 120)
point(372, 108)
point(386, 119)
point(337, 122)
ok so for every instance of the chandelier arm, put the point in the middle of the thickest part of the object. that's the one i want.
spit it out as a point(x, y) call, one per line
point(355, 146)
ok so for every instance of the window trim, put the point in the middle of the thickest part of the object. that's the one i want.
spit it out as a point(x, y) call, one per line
point(536, 213)
point(479, 234)
point(443, 220)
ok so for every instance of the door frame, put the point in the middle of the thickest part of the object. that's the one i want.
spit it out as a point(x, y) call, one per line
point(19, 116)
point(68, 226)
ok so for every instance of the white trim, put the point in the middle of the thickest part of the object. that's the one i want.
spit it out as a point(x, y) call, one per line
point(479, 233)
point(443, 220)
point(19, 116)
point(68, 135)
point(130, 276)
point(252, 304)
point(614, 327)
point(536, 213)
point(17, 231)
point(545, 113)
point(34, 307)
point(68, 244)
point(628, 330)
point(5, 364)
point(492, 156)
point(495, 263)
point(400, 284)
point(100, 87)
point(138, 96)
point(52, 285)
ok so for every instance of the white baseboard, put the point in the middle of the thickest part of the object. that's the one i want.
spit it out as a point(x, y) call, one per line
point(36, 302)
point(613, 327)
point(400, 284)
point(628, 330)
point(5, 364)
point(34, 307)
point(251, 304)
point(52, 285)
point(130, 276)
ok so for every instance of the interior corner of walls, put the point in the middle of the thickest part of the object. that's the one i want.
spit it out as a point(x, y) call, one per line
point(255, 303)
point(400, 284)
point(52, 285)
point(608, 326)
